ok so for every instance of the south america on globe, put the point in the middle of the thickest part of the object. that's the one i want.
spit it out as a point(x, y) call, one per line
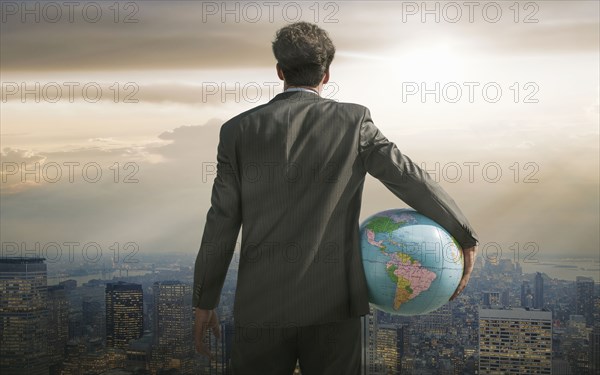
point(412, 265)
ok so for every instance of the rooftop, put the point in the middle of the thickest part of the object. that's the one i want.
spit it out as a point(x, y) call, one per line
point(21, 260)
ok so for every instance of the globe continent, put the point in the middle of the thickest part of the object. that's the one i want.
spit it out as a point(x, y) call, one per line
point(412, 264)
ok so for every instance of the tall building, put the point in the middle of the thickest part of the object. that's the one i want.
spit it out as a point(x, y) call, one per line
point(403, 337)
point(58, 326)
point(538, 294)
point(23, 316)
point(595, 350)
point(221, 363)
point(596, 313)
point(584, 300)
point(227, 333)
point(139, 352)
point(389, 346)
point(505, 298)
point(173, 326)
point(518, 269)
point(435, 322)
point(369, 342)
point(491, 299)
point(506, 266)
point(91, 304)
point(93, 316)
point(515, 341)
point(124, 313)
point(222, 350)
point(384, 346)
point(526, 295)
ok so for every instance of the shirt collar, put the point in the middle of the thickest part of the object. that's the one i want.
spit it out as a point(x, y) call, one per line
point(301, 89)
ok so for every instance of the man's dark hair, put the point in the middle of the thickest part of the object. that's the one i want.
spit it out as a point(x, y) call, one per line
point(304, 52)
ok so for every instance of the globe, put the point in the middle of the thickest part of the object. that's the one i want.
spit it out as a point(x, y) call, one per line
point(412, 264)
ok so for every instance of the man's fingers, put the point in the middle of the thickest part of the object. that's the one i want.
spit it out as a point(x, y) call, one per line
point(214, 325)
point(201, 348)
point(199, 331)
point(205, 320)
point(217, 331)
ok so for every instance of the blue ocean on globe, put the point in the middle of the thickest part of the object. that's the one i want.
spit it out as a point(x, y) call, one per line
point(412, 264)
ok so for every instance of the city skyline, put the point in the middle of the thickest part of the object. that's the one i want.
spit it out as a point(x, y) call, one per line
point(444, 341)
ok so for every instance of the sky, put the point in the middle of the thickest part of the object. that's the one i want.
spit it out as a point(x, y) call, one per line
point(110, 114)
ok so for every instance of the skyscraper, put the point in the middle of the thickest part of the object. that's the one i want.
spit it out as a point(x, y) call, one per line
point(435, 322)
point(173, 326)
point(518, 269)
point(491, 299)
point(584, 300)
point(23, 316)
point(526, 297)
point(369, 342)
point(139, 352)
point(388, 349)
point(594, 356)
point(538, 294)
point(93, 316)
point(403, 346)
point(515, 341)
point(58, 325)
point(505, 298)
point(596, 312)
point(221, 363)
point(124, 313)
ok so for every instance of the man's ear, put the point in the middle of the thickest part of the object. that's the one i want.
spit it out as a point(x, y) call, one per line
point(279, 72)
point(326, 77)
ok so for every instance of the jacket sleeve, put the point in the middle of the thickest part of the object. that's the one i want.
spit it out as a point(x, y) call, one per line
point(221, 230)
point(384, 161)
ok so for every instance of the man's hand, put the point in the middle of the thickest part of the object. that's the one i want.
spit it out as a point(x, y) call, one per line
point(469, 259)
point(203, 321)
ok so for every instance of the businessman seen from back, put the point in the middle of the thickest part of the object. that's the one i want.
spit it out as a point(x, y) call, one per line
point(290, 174)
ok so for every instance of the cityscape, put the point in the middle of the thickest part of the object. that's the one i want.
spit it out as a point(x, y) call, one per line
point(137, 318)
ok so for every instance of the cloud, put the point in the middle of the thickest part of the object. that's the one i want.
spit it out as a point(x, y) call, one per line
point(15, 164)
point(161, 206)
point(525, 145)
point(185, 35)
point(168, 36)
point(543, 39)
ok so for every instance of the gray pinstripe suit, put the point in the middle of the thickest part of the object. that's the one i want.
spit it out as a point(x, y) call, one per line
point(292, 171)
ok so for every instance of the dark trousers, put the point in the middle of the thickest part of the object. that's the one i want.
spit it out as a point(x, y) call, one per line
point(325, 349)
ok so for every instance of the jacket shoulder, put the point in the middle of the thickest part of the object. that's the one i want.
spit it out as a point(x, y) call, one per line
point(230, 126)
point(355, 108)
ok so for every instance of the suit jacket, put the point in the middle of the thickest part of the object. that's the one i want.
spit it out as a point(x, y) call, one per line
point(292, 171)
